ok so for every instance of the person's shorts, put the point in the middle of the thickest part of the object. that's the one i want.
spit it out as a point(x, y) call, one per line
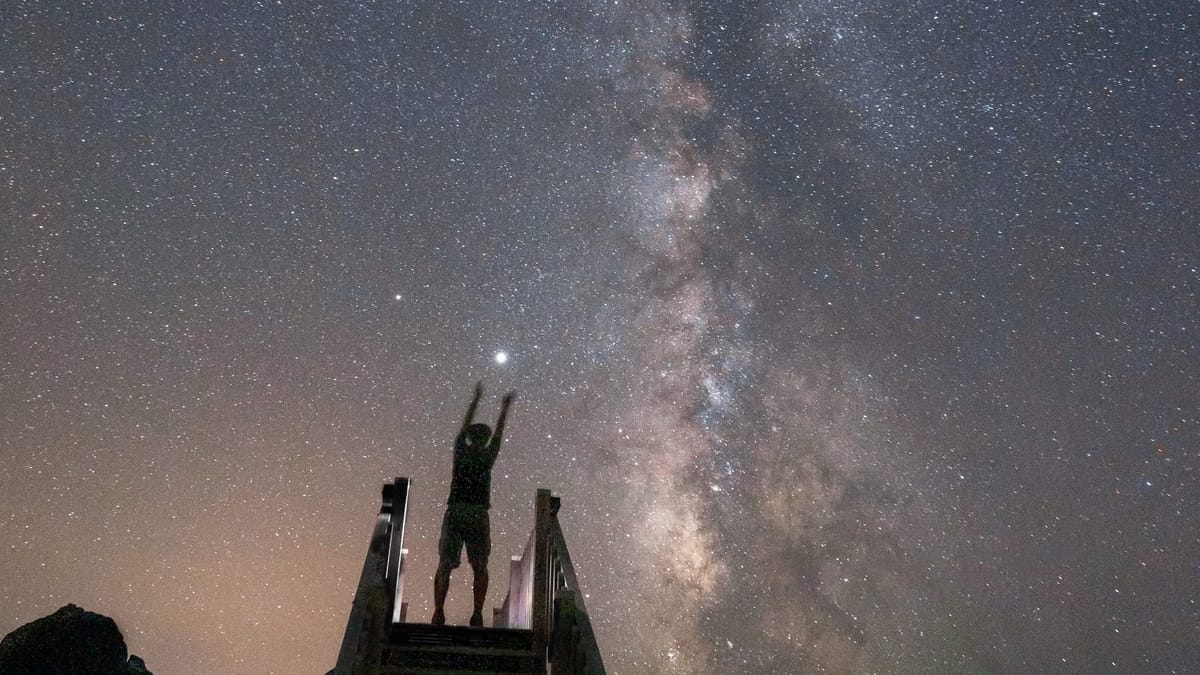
point(466, 524)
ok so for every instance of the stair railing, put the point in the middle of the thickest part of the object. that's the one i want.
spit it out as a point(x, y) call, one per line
point(544, 596)
point(396, 551)
point(572, 645)
point(378, 599)
point(518, 603)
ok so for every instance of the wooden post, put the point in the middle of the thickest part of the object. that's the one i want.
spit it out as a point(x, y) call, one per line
point(540, 621)
point(396, 548)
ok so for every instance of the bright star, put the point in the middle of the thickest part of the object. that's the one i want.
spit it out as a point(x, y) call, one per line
point(502, 357)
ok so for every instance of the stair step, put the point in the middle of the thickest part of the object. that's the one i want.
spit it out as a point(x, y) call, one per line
point(414, 648)
point(462, 659)
point(464, 636)
point(414, 670)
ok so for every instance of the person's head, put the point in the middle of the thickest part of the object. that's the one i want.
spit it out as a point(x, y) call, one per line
point(478, 435)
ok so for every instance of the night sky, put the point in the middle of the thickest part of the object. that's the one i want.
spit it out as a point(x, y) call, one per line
point(854, 335)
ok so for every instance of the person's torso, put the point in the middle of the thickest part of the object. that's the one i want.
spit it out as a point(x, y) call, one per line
point(472, 481)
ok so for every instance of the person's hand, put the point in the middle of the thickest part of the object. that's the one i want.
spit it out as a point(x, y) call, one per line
point(479, 389)
point(508, 398)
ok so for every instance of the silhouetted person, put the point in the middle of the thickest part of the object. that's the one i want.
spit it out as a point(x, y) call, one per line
point(466, 519)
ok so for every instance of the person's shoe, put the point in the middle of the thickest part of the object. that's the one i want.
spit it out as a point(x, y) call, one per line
point(477, 619)
point(439, 618)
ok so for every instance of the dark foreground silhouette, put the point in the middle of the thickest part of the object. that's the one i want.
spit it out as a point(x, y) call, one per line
point(466, 520)
point(70, 640)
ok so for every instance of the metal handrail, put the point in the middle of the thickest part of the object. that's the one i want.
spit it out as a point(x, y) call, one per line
point(518, 603)
point(545, 597)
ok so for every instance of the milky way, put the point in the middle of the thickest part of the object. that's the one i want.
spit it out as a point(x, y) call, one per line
point(855, 338)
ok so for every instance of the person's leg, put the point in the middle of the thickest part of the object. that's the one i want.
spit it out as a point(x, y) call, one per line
point(441, 585)
point(479, 546)
point(480, 587)
point(449, 553)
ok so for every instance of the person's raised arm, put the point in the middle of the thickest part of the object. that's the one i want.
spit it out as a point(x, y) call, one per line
point(471, 408)
point(499, 432)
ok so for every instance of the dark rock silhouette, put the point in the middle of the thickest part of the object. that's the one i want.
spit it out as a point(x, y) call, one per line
point(137, 666)
point(71, 641)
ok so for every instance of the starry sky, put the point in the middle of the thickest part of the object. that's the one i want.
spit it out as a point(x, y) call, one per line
point(855, 336)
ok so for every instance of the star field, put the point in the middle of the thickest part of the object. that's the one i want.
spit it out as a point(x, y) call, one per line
point(854, 337)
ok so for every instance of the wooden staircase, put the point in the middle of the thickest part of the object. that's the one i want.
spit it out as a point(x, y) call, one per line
point(542, 626)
